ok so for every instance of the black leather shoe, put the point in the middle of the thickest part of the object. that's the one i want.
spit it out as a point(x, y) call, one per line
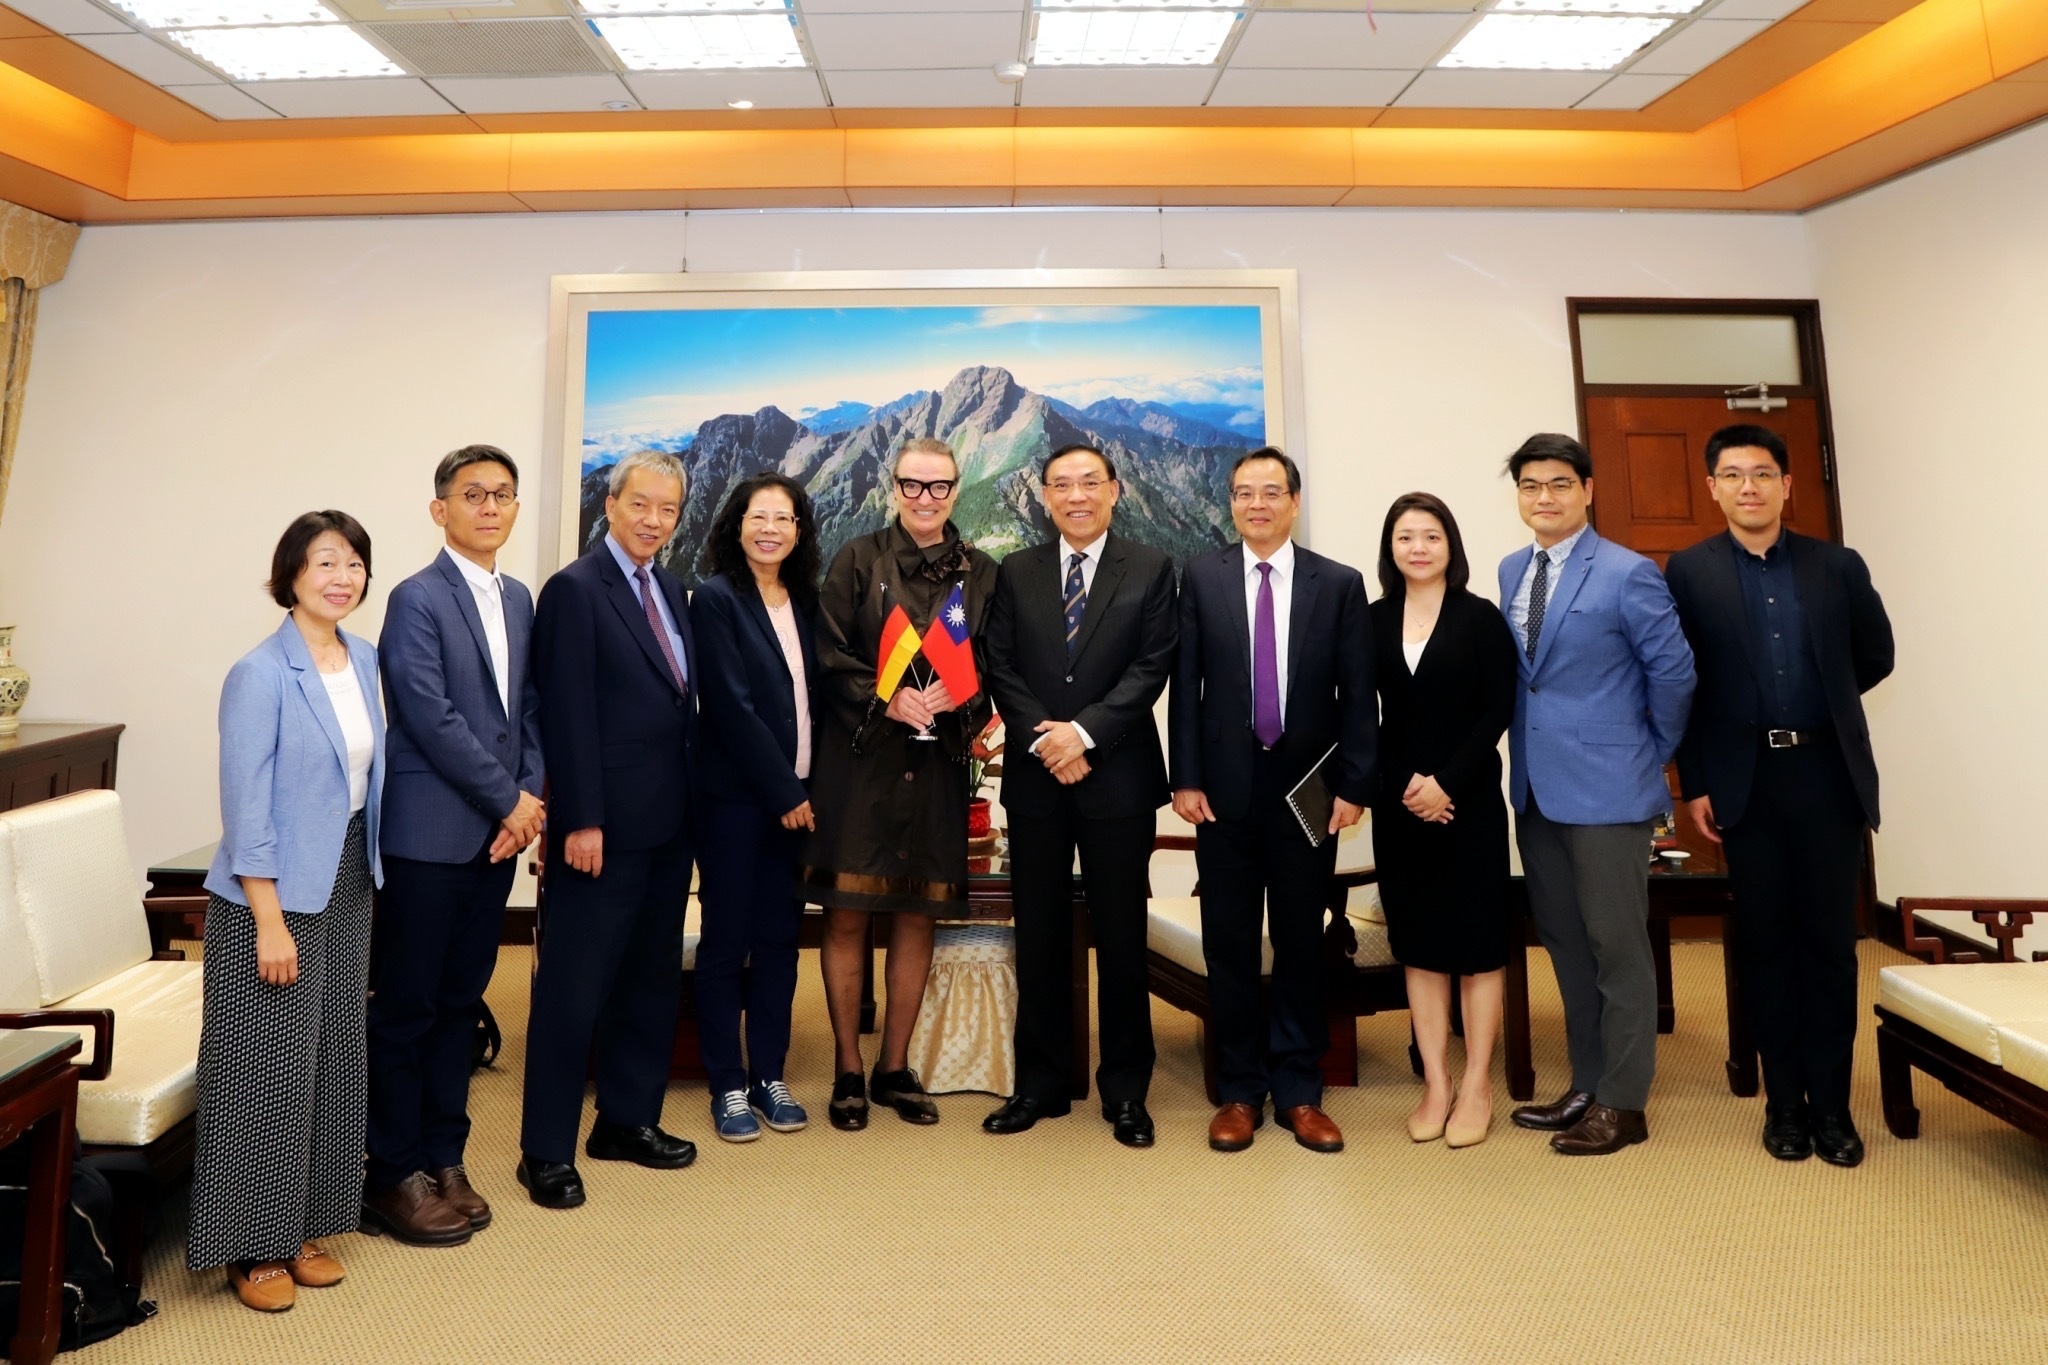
point(1019, 1112)
point(649, 1147)
point(849, 1108)
point(1786, 1134)
point(1132, 1125)
point(903, 1092)
point(553, 1184)
point(1564, 1113)
point(1836, 1140)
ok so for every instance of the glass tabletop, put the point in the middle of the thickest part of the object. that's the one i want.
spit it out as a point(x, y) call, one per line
point(22, 1049)
point(193, 862)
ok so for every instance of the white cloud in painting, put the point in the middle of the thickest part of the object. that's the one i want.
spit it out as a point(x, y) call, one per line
point(1238, 388)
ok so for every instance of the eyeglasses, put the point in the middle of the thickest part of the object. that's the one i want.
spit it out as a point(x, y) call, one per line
point(780, 520)
point(1059, 488)
point(1244, 497)
point(475, 496)
point(1531, 488)
point(1735, 478)
point(940, 489)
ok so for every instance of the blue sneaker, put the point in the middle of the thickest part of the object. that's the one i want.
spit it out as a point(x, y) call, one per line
point(731, 1117)
point(777, 1107)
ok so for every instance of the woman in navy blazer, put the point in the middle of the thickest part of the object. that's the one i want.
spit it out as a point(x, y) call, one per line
point(754, 618)
point(282, 1093)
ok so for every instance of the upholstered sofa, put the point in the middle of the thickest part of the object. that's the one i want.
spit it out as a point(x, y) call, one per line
point(75, 955)
point(1979, 1027)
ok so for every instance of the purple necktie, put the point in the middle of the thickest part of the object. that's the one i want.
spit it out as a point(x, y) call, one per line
point(654, 622)
point(1265, 665)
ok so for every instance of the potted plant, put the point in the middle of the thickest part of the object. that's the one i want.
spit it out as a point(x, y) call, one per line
point(984, 761)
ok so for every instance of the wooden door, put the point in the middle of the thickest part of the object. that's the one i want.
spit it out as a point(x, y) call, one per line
point(1650, 473)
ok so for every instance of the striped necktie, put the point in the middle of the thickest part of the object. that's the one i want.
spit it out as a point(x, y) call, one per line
point(1075, 597)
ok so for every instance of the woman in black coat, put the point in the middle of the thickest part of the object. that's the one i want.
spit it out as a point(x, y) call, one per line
point(1445, 663)
point(754, 619)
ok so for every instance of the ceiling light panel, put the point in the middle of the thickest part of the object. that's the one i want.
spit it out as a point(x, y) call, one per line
point(682, 6)
point(1141, 4)
point(1131, 37)
point(225, 13)
point(706, 42)
point(1554, 42)
point(1598, 6)
point(300, 52)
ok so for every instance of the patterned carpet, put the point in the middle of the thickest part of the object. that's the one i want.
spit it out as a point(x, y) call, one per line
point(1057, 1245)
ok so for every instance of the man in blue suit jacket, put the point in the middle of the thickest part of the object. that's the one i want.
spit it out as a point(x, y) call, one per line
point(1606, 683)
point(462, 796)
point(615, 667)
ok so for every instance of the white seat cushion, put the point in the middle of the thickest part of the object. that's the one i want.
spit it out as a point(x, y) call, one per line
point(1373, 950)
point(2023, 1050)
point(1965, 1002)
point(79, 900)
point(1173, 929)
point(20, 988)
point(693, 930)
point(154, 1083)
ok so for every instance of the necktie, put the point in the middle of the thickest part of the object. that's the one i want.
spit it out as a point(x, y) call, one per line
point(1075, 597)
point(668, 652)
point(1265, 665)
point(1539, 598)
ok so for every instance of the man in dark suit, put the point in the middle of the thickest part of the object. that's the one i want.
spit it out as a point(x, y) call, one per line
point(613, 661)
point(1274, 667)
point(1776, 767)
point(1080, 642)
point(461, 799)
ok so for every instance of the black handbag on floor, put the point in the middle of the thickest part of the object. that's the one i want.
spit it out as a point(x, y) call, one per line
point(96, 1303)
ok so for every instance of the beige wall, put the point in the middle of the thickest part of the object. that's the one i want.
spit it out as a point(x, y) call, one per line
point(1933, 292)
point(197, 385)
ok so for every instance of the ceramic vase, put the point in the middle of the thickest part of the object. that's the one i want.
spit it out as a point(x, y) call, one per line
point(13, 684)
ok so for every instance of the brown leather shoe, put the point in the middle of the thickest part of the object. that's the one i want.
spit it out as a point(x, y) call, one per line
point(1556, 1116)
point(412, 1212)
point(265, 1286)
point(1312, 1128)
point(1232, 1128)
point(314, 1268)
point(1602, 1131)
point(452, 1184)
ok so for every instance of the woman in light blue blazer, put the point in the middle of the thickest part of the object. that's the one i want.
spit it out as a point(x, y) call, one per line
point(281, 1057)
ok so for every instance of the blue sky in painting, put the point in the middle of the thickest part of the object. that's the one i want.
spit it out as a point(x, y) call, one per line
point(669, 370)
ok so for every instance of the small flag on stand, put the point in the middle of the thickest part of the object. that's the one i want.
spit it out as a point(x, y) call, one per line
point(947, 647)
point(899, 646)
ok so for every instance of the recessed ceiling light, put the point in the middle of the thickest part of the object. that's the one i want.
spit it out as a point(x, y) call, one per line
point(286, 54)
point(619, 106)
point(682, 6)
point(1553, 42)
point(1598, 6)
point(739, 104)
point(1130, 37)
point(678, 42)
point(225, 13)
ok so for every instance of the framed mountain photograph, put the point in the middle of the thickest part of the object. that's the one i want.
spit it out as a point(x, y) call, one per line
point(1174, 373)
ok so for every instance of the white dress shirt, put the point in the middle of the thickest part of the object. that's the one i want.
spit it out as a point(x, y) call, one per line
point(489, 591)
point(1091, 557)
point(1283, 605)
point(1518, 610)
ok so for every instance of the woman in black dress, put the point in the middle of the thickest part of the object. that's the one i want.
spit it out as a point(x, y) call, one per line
point(1445, 662)
point(891, 808)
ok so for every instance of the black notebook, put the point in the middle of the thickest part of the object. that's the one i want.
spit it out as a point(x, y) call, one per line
point(1311, 801)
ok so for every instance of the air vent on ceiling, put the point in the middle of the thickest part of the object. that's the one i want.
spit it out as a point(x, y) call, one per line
point(490, 47)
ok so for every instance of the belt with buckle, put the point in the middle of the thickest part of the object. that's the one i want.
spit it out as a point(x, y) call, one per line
point(1792, 739)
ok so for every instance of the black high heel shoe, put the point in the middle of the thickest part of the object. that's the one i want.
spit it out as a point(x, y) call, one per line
point(849, 1108)
point(904, 1092)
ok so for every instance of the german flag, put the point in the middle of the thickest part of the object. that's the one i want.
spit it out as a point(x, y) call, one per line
point(899, 646)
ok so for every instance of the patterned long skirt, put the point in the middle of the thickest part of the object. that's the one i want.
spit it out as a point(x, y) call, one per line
point(282, 1090)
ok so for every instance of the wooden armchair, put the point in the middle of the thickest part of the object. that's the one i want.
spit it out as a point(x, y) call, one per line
point(1979, 1027)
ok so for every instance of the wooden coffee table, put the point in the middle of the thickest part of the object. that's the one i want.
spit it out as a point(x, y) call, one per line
point(39, 1104)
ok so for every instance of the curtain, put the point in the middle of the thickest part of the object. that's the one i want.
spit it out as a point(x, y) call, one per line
point(33, 252)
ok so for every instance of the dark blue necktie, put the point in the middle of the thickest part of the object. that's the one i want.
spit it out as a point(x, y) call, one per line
point(1076, 598)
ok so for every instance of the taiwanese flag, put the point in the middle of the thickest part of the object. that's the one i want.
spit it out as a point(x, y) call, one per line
point(946, 646)
point(899, 647)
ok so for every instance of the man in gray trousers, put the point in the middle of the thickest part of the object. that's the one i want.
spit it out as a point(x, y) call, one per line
point(1606, 684)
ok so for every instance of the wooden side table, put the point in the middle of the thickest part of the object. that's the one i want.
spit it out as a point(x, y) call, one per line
point(45, 760)
point(39, 1103)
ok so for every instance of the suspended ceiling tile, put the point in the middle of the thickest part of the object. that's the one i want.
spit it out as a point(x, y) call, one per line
point(1629, 92)
point(717, 89)
point(1698, 45)
point(1472, 89)
point(972, 88)
point(348, 98)
point(147, 58)
point(1101, 88)
point(899, 42)
point(69, 16)
point(1014, 8)
point(1755, 9)
point(1298, 89)
point(532, 94)
point(491, 47)
point(1379, 7)
point(1323, 41)
point(223, 102)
